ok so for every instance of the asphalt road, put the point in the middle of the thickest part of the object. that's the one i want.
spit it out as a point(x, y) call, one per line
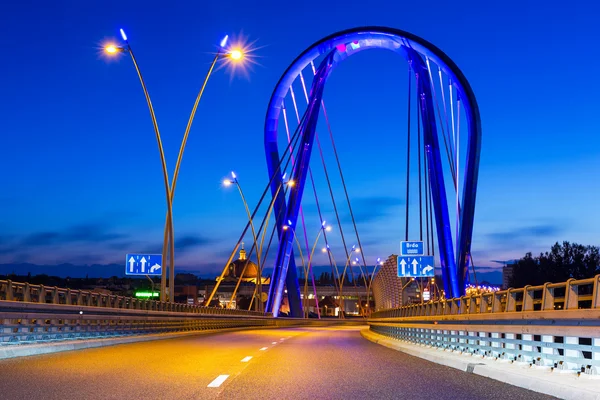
point(299, 363)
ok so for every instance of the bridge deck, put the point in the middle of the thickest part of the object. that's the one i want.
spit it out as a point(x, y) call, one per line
point(309, 363)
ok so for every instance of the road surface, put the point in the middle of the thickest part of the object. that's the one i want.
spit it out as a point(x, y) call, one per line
point(297, 363)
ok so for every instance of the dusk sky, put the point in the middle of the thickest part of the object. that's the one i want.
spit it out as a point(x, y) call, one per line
point(82, 179)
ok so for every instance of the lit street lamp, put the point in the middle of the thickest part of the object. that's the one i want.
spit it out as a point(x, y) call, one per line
point(322, 228)
point(353, 250)
point(236, 55)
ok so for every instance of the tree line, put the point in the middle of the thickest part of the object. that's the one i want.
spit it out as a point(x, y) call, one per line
point(563, 261)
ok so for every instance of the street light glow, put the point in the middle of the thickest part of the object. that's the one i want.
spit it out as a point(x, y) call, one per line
point(233, 175)
point(227, 182)
point(123, 35)
point(111, 49)
point(236, 54)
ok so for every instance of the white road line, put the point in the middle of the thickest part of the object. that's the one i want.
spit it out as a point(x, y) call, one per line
point(218, 381)
point(273, 342)
point(282, 339)
point(263, 349)
point(246, 359)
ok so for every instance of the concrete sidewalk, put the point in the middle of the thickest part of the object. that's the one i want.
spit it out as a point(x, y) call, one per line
point(554, 383)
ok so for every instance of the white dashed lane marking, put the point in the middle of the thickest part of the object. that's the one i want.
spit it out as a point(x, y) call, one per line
point(263, 349)
point(246, 359)
point(218, 381)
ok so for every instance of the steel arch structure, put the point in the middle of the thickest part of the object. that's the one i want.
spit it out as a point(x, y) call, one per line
point(416, 51)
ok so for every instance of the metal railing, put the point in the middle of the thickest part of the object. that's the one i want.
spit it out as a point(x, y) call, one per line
point(25, 292)
point(39, 314)
point(570, 295)
point(555, 325)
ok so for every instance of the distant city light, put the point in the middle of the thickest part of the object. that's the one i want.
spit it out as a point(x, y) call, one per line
point(146, 294)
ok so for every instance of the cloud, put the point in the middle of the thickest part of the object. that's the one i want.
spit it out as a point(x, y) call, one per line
point(520, 234)
point(368, 209)
point(188, 242)
point(84, 233)
point(41, 239)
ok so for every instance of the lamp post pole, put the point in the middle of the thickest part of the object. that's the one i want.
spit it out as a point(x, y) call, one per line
point(168, 238)
point(111, 50)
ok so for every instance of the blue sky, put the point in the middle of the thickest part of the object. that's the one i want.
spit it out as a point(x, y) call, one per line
point(81, 175)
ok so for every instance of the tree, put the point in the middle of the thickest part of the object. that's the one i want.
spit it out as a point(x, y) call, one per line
point(562, 262)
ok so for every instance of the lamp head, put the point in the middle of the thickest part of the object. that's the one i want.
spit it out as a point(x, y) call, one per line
point(111, 49)
point(224, 41)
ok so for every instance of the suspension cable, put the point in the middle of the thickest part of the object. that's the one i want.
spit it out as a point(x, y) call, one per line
point(437, 106)
point(408, 148)
point(419, 157)
point(277, 170)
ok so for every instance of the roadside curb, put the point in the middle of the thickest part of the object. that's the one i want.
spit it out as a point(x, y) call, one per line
point(563, 386)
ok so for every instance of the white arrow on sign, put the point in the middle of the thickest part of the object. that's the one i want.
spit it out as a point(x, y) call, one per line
point(415, 263)
point(403, 264)
point(427, 269)
point(131, 262)
point(154, 268)
point(143, 261)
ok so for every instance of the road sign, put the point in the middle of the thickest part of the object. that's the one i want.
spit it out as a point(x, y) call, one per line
point(412, 248)
point(426, 295)
point(415, 266)
point(143, 264)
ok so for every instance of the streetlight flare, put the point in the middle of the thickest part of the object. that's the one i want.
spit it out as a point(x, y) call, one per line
point(111, 49)
point(227, 182)
point(123, 35)
point(291, 183)
point(233, 175)
point(236, 55)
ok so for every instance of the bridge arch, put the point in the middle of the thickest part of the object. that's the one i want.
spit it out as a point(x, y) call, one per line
point(417, 51)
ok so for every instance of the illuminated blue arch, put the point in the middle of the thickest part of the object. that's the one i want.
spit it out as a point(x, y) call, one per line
point(413, 48)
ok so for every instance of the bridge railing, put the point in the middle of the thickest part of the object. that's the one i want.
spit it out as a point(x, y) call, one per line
point(25, 292)
point(570, 295)
point(555, 325)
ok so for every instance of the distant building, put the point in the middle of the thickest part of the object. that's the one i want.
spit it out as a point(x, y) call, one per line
point(507, 273)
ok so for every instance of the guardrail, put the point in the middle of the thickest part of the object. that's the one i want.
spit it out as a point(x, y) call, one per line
point(555, 325)
point(39, 314)
point(24, 292)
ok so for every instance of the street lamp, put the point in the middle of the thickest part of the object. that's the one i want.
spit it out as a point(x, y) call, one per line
point(377, 263)
point(112, 49)
point(307, 270)
point(234, 181)
point(353, 250)
point(212, 294)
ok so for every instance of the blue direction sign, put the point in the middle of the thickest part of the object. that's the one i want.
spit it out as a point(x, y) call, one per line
point(419, 266)
point(411, 248)
point(143, 264)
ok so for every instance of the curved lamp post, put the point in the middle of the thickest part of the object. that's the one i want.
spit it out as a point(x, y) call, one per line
point(354, 249)
point(322, 228)
point(378, 262)
point(112, 49)
point(168, 240)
